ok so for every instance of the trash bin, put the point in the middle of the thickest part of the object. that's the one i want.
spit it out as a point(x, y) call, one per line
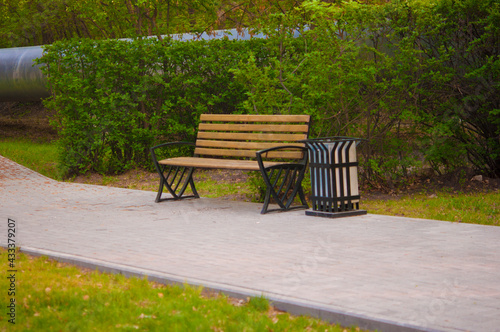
point(333, 167)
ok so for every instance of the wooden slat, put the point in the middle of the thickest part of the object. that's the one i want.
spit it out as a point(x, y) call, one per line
point(220, 144)
point(253, 136)
point(254, 127)
point(247, 153)
point(225, 152)
point(255, 118)
point(246, 165)
point(241, 144)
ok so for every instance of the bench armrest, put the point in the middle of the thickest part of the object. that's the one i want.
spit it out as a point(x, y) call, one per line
point(153, 154)
point(261, 153)
point(171, 143)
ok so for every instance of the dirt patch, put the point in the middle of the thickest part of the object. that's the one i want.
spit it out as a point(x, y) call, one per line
point(133, 179)
point(26, 120)
point(464, 181)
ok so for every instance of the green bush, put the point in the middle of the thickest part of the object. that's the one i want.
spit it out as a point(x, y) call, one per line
point(115, 99)
point(418, 79)
point(408, 76)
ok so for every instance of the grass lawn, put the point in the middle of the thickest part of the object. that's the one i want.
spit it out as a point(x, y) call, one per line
point(476, 208)
point(52, 296)
point(41, 157)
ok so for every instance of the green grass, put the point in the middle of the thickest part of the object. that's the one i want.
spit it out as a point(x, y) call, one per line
point(478, 208)
point(207, 187)
point(38, 156)
point(51, 296)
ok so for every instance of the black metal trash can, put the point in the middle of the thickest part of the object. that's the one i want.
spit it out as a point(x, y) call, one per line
point(333, 167)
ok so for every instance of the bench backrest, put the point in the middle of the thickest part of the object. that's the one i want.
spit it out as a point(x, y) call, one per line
point(235, 135)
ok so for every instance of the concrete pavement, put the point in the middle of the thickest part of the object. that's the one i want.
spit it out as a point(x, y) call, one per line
point(374, 271)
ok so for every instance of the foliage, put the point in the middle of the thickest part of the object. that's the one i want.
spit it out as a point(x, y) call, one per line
point(418, 79)
point(38, 22)
point(444, 106)
point(418, 85)
point(471, 36)
point(115, 99)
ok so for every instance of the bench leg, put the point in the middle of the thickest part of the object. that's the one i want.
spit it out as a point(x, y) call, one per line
point(283, 184)
point(176, 179)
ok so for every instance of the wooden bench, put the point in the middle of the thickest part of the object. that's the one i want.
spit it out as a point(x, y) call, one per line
point(265, 143)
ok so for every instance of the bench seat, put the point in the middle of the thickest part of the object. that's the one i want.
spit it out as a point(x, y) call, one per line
point(243, 165)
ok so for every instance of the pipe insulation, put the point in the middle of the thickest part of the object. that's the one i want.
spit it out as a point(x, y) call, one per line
point(22, 80)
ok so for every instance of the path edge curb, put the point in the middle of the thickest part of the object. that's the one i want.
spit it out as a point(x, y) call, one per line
point(344, 318)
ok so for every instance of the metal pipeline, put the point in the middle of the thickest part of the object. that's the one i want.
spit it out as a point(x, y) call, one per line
point(22, 80)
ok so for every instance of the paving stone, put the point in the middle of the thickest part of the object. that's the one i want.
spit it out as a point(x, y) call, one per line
point(378, 272)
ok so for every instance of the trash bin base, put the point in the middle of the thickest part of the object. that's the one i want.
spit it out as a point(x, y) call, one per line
point(336, 214)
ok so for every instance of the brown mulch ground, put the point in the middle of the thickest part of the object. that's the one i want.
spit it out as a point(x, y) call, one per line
point(28, 119)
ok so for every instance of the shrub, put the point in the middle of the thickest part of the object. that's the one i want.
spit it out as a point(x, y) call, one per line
point(418, 79)
point(116, 98)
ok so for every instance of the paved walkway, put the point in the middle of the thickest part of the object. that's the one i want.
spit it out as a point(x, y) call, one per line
point(378, 272)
